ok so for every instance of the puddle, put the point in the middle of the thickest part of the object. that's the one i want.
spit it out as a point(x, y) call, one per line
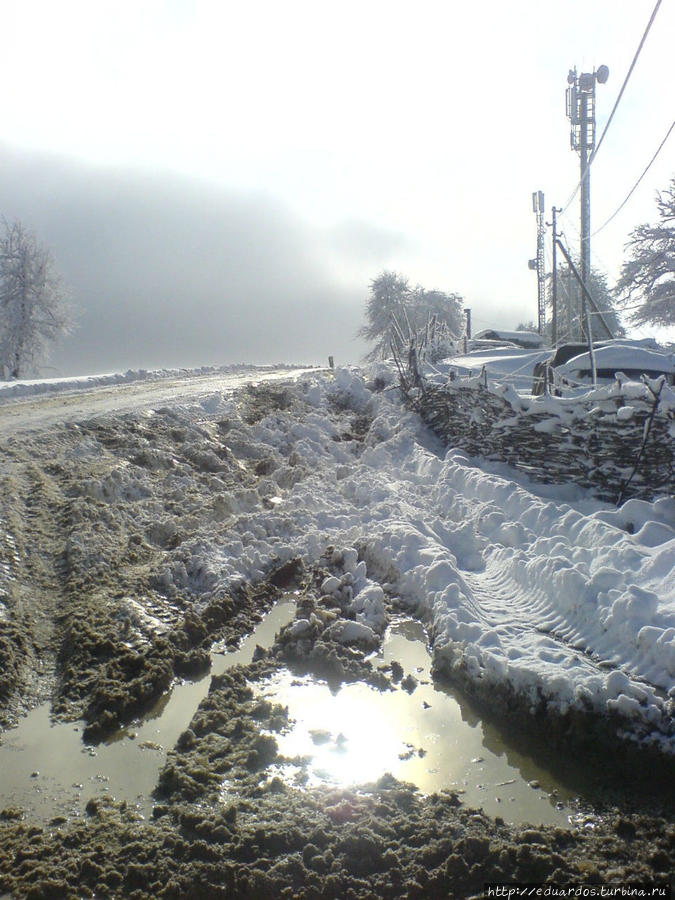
point(425, 736)
point(45, 767)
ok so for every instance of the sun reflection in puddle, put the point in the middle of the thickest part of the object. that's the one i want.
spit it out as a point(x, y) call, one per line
point(351, 737)
point(420, 735)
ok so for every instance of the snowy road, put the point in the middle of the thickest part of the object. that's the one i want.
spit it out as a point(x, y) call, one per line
point(40, 406)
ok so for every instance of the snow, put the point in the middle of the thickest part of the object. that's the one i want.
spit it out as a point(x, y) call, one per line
point(563, 600)
point(620, 356)
point(499, 363)
point(30, 387)
point(346, 631)
point(530, 338)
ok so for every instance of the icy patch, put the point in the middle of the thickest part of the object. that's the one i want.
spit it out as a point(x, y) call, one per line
point(9, 557)
point(136, 615)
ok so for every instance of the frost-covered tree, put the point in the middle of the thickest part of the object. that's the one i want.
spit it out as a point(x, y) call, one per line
point(439, 321)
point(646, 287)
point(34, 310)
point(569, 306)
point(527, 326)
point(397, 313)
point(386, 315)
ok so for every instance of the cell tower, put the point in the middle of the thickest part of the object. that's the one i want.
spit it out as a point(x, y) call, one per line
point(539, 264)
point(581, 113)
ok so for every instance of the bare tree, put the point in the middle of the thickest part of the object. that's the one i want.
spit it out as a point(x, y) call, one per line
point(647, 283)
point(34, 310)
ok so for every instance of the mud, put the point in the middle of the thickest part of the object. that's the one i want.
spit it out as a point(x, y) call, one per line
point(99, 603)
point(225, 824)
point(283, 843)
point(117, 605)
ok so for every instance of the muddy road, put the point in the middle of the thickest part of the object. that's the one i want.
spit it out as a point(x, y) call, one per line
point(119, 516)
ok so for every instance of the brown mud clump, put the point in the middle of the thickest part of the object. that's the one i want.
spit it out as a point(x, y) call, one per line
point(109, 681)
point(274, 841)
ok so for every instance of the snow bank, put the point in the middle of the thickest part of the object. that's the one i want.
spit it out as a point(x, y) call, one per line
point(562, 605)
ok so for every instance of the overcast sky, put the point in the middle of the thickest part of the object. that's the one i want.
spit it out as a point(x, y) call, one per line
point(219, 181)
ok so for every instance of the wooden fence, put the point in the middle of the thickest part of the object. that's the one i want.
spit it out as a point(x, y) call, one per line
point(617, 442)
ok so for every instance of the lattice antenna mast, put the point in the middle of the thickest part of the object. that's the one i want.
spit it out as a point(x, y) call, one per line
point(539, 264)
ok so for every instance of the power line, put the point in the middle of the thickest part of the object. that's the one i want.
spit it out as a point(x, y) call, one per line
point(630, 193)
point(623, 86)
point(616, 104)
point(570, 226)
point(573, 229)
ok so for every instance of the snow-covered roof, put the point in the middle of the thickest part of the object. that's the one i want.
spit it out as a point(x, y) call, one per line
point(512, 364)
point(523, 338)
point(621, 357)
point(649, 343)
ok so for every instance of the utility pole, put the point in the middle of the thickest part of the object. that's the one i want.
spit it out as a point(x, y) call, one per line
point(554, 298)
point(467, 331)
point(539, 264)
point(581, 113)
point(568, 303)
